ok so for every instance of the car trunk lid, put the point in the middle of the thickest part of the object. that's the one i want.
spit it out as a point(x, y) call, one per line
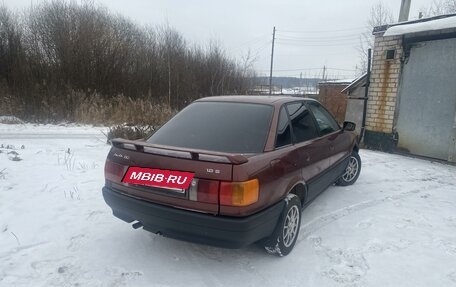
point(208, 169)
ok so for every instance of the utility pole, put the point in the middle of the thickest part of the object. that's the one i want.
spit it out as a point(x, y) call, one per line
point(324, 73)
point(272, 61)
point(366, 95)
point(404, 11)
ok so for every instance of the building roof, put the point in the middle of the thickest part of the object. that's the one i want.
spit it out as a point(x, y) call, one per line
point(415, 26)
point(437, 24)
point(355, 83)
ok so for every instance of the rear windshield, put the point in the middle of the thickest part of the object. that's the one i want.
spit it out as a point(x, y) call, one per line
point(218, 126)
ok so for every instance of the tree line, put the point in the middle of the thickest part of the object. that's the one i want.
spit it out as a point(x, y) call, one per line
point(55, 50)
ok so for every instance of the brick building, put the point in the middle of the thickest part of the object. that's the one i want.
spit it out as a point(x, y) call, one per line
point(411, 103)
point(331, 96)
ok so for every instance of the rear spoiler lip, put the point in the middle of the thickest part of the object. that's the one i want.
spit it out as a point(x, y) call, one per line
point(196, 154)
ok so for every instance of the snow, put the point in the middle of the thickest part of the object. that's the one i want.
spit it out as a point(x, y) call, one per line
point(432, 25)
point(10, 120)
point(395, 227)
point(339, 81)
point(299, 91)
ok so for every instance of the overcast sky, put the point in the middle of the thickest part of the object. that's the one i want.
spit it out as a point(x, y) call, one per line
point(310, 34)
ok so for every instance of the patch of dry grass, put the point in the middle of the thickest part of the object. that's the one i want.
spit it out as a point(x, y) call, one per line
point(87, 108)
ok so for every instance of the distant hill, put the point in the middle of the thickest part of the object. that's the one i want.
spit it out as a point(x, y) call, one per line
point(289, 82)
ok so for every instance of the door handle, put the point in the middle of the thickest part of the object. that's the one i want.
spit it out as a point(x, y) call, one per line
point(331, 147)
point(307, 157)
point(274, 162)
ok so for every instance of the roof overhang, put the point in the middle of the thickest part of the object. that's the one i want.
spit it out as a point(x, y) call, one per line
point(355, 83)
point(436, 23)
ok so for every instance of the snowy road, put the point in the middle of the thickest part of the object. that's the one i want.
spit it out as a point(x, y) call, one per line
point(395, 227)
point(51, 136)
point(28, 131)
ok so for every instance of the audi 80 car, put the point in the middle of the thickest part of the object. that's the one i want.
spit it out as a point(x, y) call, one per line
point(230, 171)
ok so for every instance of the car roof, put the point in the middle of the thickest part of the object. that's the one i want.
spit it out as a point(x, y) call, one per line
point(270, 100)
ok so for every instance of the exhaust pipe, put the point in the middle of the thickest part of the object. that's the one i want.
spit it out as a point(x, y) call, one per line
point(137, 225)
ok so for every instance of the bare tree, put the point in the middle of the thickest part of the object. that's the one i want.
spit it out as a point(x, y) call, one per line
point(440, 7)
point(379, 15)
point(248, 75)
point(61, 47)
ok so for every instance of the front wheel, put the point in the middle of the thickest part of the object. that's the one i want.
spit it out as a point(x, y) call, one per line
point(283, 239)
point(352, 170)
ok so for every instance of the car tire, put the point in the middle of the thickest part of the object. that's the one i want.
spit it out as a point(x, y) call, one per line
point(283, 239)
point(351, 172)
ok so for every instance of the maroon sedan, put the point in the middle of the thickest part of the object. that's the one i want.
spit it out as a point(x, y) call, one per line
point(232, 170)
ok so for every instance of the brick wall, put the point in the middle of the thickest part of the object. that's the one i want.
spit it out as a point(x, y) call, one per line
point(382, 105)
point(384, 83)
point(331, 97)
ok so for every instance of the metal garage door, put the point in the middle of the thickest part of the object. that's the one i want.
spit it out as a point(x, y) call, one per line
point(426, 121)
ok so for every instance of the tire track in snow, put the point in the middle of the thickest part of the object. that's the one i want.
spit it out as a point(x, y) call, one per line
point(347, 266)
point(22, 248)
point(350, 266)
point(210, 280)
point(241, 261)
point(324, 220)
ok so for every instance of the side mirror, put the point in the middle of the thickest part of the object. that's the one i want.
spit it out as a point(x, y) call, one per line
point(349, 126)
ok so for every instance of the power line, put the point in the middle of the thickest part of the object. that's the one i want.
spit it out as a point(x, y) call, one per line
point(315, 75)
point(312, 55)
point(318, 42)
point(254, 41)
point(328, 39)
point(280, 41)
point(310, 69)
point(301, 40)
point(338, 37)
point(262, 47)
point(255, 51)
point(320, 31)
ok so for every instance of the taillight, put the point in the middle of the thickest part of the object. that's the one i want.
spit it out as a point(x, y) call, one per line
point(208, 191)
point(204, 190)
point(239, 193)
point(114, 171)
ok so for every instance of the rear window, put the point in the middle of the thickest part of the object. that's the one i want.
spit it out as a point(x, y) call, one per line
point(218, 126)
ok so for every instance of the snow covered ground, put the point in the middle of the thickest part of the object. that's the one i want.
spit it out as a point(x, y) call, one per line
point(395, 227)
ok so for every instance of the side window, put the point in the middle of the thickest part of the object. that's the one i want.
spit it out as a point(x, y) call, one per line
point(283, 129)
point(326, 123)
point(302, 122)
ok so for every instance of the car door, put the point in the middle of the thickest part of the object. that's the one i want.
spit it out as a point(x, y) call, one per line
point(334, 143)
point(311, 151)
point(285, 165)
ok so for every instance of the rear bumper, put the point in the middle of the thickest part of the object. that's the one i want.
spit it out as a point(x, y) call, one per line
point(221, 231)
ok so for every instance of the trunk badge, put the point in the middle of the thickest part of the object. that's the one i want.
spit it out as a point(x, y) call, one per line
point(121, 155)
point(211, 170)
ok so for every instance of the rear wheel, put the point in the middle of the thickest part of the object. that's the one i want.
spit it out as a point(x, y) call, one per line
point(283, 239)
point(352, 171)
